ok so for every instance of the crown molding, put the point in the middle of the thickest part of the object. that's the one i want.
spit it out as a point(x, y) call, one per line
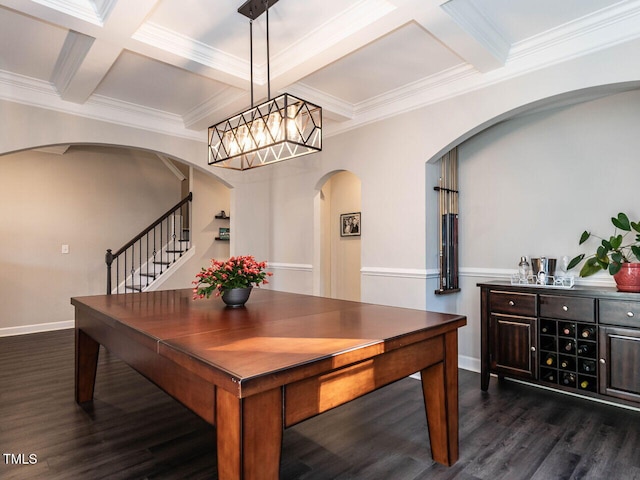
point(473, 20)
point(217, 103)
point(191, 49)
point(103, 8)
point(602, 29)
point(38, 93)
point(129, 114)
point(85, 10)
point(334, 107)
point(434, 88)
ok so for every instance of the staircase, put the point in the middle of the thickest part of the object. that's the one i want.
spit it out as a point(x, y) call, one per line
point(140, 263)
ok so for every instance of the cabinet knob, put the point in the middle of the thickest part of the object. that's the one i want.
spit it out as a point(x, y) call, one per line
point(533, 349)
point(602, 361)
point(629, 314)
point(512, 303)
point(565, 308)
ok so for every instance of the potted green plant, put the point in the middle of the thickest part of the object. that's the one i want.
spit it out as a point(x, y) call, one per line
point(616, 255)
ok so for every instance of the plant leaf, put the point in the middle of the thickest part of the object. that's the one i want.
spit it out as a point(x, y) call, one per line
point(622, 222)
point(575, 261)
point(604, 263)
point(636, 226)
point(585, 236)
point(615, 242)
point(616, 257)
point(601, 252)
point(590, 267)
point(636, 251)
point(614, 268)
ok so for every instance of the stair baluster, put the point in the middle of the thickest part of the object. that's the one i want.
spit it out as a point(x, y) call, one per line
point(150, 253)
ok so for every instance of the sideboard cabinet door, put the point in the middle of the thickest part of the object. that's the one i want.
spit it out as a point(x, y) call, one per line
point(620, 362)
point(513, 345)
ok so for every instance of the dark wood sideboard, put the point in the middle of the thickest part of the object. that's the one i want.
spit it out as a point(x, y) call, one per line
point(584, 340)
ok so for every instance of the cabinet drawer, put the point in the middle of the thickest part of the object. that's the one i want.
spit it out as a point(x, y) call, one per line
point(620, 312)
point(568, 308)
point(513, 303)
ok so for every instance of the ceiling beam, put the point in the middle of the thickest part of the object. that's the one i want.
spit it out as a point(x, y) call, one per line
point(464, 30)
point(87, 72)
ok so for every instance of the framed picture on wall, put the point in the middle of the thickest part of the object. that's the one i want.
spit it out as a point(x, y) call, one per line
point(350, 225)
point(224, 233)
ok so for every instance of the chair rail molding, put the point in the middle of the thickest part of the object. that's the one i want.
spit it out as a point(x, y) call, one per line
point(303, 267)
point(415, 273)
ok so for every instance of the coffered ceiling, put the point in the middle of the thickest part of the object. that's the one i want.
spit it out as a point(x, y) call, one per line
point(178, 66)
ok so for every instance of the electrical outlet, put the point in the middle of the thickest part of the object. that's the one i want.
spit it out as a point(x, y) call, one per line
point(65, 248)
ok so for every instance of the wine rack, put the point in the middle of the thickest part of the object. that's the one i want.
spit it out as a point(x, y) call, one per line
point(568, 354)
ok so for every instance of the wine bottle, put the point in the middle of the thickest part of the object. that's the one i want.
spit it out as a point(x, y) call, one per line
point(588, 366)
point(584, 384)
point(568, 378)
point(566, 363)
point(549, 327)
point(585, 349)
point(550, 360)
point(588, 332)
point(549, 377)
point(569, 346)
point(568, 329)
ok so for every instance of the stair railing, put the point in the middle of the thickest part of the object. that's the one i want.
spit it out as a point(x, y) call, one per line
point(148, 255)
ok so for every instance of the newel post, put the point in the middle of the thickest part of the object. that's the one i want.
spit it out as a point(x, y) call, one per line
point(108, 258)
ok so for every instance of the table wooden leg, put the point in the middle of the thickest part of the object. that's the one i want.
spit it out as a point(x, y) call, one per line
point(440, 389)
point(87, 350)
point(249, 435)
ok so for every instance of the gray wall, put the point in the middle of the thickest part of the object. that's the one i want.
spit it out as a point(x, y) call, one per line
point(530, 186)
point(89, 198)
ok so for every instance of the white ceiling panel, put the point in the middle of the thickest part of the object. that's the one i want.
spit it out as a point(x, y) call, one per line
point(397, 59)
point(518, 20)
point(28, 46)
point(144, 81)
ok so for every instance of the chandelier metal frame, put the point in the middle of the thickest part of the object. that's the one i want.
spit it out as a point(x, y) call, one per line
point(278, 129)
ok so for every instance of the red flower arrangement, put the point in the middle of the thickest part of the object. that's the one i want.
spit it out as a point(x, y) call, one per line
point(237, 272)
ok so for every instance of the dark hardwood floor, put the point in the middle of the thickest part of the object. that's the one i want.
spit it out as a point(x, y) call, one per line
point(134, 431)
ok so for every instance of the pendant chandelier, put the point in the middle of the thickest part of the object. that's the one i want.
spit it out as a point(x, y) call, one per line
point(279, 129)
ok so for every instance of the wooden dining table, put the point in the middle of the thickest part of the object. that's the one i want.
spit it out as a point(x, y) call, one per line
point(283, 358)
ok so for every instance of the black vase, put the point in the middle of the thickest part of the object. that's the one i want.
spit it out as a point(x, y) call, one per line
point(236, 297)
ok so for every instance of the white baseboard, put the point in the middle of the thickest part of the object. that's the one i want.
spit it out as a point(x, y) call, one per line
point(469, 363)
point(37, 328)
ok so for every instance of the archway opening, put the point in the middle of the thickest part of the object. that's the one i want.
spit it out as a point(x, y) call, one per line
point(338, 236)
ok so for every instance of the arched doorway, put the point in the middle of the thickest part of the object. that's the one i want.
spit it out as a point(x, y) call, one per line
point(337, 254)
